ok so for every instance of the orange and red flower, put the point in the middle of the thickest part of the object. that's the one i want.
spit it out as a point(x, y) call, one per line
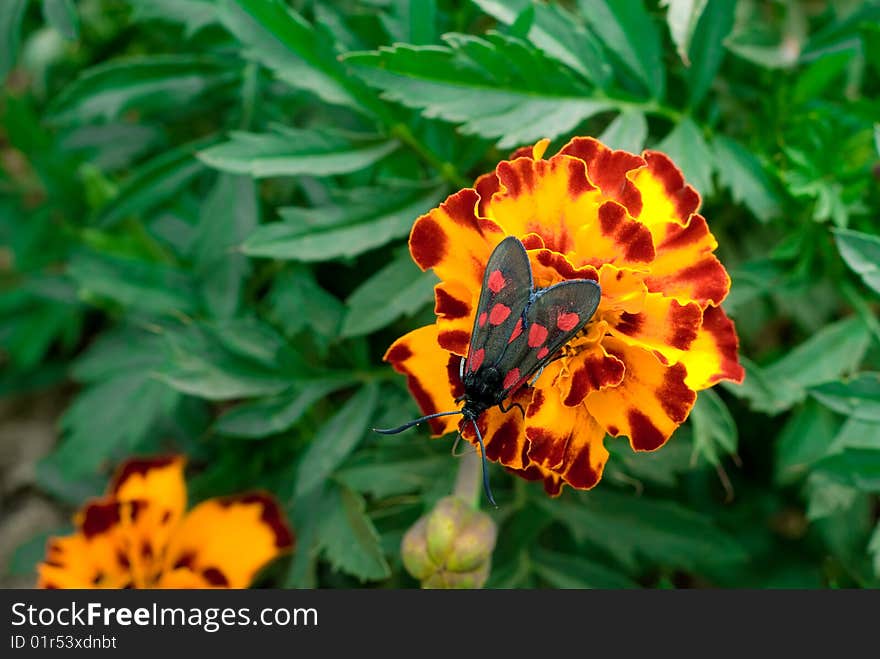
point(658, 336)
point(140, 536)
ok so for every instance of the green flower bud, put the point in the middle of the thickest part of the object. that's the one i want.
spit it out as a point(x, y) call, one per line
point(450, 547)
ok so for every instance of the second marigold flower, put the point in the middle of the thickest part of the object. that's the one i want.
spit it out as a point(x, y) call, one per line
point(659, 335)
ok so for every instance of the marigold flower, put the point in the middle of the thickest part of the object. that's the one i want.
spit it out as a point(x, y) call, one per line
point(140, 536)
point(658, 336)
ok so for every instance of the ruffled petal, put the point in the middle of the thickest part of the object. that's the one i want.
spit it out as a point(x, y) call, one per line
point(591, 369)
point(666, 198)
point(454, 306)
point(608, 170)
point(426, 365)
point(227, 541)
point(663, 325)
point(650, 402)
point(714, 355)
point(502, 432)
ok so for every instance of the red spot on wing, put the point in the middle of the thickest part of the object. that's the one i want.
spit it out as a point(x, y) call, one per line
point(542, 353)
point(498, 314)
point(511, 378)
point(517, 330)
point(496, 281)
point(483, 317)
point(567, 321)
point(476, 360)
point(537, 335)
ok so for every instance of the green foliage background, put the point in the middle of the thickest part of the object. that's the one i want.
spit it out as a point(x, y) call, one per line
point(203, 216)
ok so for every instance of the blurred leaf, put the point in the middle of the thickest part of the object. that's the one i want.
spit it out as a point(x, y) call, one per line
point(299, 53)
point(336, 439)
point(61, 15)
point(856, 433)
point(11, 15)
point(298, 301)
point(387, 478)
point(861, 251)
point(364, 228)
point(348, 538)
point(855, 467)
point(494, 86)
point(807, 437)
point(739, 170)
point(858, 398)
point(557, 33)
point(687, 148)
point(228, 214)
point(398, 289)
point(682, 17)
point(192, 14)
point(269, 416)
point(27, 555)
point(628, 131)
point(294, 152)
point(566, 571)
point(146, 84)
point(628, 31)
point(827, 497)
point(707, 48)
point(715, 432)
point(874, 549)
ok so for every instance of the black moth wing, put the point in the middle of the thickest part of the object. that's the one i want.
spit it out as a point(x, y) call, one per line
point(551, 319)
point(507, 288)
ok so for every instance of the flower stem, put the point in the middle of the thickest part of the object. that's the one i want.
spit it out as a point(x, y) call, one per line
point(446, 169)
point(468, 479)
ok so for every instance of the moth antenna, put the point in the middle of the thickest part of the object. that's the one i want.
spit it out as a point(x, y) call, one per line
point(394, 431)
point(485, 467)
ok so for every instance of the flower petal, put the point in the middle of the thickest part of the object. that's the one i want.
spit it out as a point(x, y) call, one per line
point(608, 170)
point(591, 369)
point(426, 365)
point(713, 356)
point(158, 480)
point(663, 325)
point(650, 402)
point(227, 541)
point(454, 306)
point(666, 198)
point(502, 432)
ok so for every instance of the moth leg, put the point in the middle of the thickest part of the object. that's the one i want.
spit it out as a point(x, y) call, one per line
point(537, 375)
point(455, 452)
point(517, 405)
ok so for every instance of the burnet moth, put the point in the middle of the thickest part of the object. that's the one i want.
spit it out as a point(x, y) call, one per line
point(517, 331)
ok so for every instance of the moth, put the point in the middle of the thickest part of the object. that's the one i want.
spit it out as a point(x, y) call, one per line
point(517, 331)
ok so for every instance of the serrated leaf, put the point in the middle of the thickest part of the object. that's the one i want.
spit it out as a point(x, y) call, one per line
point(494, 86)
point(628, 31)
point(294, 152)
point(743, 173)
point(687, 148)
point(861, 252)
point(682, 17)
point(336, 439)
point(11, 15)
point(564, 571)
point(348, 538)
point(192, 14)
point(299, 302)
point(297, 52)
point(858, 398)
point(628, 131)
point(362, 229)
point(398, 289)
point(61, 15)
point(146, 84)
point(707, 49)
point(393, 477)
point(715, 432)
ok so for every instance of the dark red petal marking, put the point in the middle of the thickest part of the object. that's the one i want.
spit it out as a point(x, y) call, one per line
point(630, 323)
point(502, 445)
point(449, 307)
point(454, 340)
point(483, 317)
point(567, 321)
point(685, 198)
point(511, 378)
point(100, 517)
point(496, 281)
point(537, 335)
point(579, 472)
point(542, 352)
point(607, 169)
point(716, 323)
point(427, 243)
point(477, 359)
point(399, 353)
point(645, 435)
point(498, 314)
point(517, 330)
point(215, 577)
point(271, 515)
point(453, 366)
point(141, 467)
point(632, 234)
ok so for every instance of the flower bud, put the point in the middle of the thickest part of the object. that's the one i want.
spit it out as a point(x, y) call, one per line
point(450, 547)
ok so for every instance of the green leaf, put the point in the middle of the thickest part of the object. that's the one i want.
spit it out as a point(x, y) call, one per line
point(154, 183)
point(348, 538)
point(806, 438)
point(228, 214)
point(835, 350)
point(140, 285)
point(358, 229)
point(270, 416)
point(147, 84)
point(299, 302)
point(858, 398)
point(826, 497)
point(857, 433)
point(687, 148)
point(707, 49)
point(715, 432)
point(11, 15)
point(391, 477)
point(874, 550)
point(743, 173)
point(297, 52)
point(628, 131)
point(857, 468)
point(633, 529)
point(682, 17)
point(294, 152)
point(61, 15)
point(398, 289)
point(494, 86)
point(192, 14)
point(557, 32)
point(628, 31)
point(564, 571)
point(336, 439)
point(861, 252)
